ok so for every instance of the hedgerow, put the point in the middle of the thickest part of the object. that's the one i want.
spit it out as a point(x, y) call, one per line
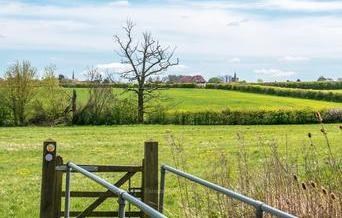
point(319, 85)
point(297, 93)
point(112, 110)
point(126, 85)
point(228, 117)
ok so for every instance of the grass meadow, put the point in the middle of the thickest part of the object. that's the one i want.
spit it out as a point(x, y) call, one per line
point(21, 154)
point(336, 90)
point(182, 99)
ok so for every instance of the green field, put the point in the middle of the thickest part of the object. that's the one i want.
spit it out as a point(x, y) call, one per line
point(21, 153)
point(335, 90)
point(209, 99)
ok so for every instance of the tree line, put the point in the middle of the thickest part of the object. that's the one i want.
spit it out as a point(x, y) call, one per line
point(27, 100)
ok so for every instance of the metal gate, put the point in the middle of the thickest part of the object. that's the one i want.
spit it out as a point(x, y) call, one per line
point(144, 197)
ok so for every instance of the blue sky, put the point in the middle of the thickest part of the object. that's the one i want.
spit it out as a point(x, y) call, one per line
point(272, 40)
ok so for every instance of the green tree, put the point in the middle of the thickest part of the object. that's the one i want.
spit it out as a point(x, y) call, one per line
point(53, 101)
point(214, 80)
point(322, 78)
point(20, 89)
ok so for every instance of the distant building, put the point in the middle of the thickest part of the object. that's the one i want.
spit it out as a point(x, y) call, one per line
point(192, 79)
point(185, 79)
point(230, 79)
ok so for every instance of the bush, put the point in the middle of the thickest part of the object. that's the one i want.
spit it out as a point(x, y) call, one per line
point(116, 112)
point(332, 115)
point(123, 111)
point(51, 106)
point(6, 118)
point(159, 115)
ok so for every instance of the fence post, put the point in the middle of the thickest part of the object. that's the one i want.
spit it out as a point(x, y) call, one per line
point(47, 199)
point(258, 211)
point(150, 175)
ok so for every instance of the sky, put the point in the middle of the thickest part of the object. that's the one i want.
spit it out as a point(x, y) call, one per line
point(272, 40)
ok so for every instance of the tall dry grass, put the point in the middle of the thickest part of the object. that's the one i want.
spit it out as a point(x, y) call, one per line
point(308, 185)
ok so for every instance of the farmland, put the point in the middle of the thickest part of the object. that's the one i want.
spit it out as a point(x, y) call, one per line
point(20, 153)
point(177, 109)
point(199, 149)
point(177, 99)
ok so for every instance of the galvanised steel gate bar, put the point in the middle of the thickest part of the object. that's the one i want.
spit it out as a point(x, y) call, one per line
point(258, 205)
point(123, 195)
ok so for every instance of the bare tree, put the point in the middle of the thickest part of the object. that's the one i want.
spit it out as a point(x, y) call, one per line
point(146, 58)
point(99, 97)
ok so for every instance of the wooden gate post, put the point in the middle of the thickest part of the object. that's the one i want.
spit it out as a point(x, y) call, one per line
point(150, 174)
point(47, 199)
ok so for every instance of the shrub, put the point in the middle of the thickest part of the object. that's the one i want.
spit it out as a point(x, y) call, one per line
point(116, 111)
point(123, 111)
point(51, 106)
point(5, 112)
point(332, 115)
point(158, 115)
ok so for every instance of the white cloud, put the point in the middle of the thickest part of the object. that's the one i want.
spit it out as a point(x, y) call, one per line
point(114, 67)
point(237, 23)
point(204, 32)
point(274, 72)
point(117, 67)
point(234, 60)
point(119, 3)
point(289, 5)
point(306, 5)
point(180, 67)
point(294, 59)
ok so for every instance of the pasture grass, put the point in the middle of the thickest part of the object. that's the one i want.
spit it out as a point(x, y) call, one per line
point(182, 99)
point(21, 154)
point(335, 90)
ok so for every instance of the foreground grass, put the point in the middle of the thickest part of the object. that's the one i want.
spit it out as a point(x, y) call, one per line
point(21, 151)
point(216, 100)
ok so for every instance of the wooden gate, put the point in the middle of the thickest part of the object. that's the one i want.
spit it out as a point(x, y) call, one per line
point(52, 177)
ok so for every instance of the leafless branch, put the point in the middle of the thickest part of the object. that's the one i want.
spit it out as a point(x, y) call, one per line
point(147, 58)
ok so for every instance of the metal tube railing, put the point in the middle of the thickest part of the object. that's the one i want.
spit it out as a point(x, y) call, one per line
point(67, 194)
point(123, 195)
point(258, 205)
